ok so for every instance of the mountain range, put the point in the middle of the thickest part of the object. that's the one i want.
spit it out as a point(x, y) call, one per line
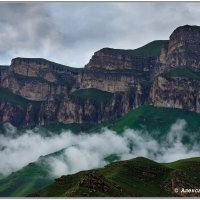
point(36, 91)
point(146, 88)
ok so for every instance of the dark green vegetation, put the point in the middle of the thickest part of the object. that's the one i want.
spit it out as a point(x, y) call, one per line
point(92, 94)
point(139, 177)
point(7, 96)
point(190, 165)
point(192, 27)
point(151, 49)
point(156, 120)
point(56, 66)
point(28, 179)
point(183, 72)
point(57, 128)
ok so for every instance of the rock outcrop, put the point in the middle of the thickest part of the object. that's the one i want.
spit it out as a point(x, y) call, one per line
point(3, 72)
point(182, 50)
point(176, 92)
point(162, 73)
point(116, 69)
point(176, 75)
point(37, 79)
point(118, 59)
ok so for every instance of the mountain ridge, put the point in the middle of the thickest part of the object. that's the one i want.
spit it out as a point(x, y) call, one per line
point(134, 77)
point(138, 177)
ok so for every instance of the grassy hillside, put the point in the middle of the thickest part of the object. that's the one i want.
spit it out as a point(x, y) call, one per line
point(190, 165)
point(92, 94)
point(156, 119)
point(57, 128)
point(145, 117)
point(151, 49)
point(183, 72)
point(8, 96)
point(28, 179)
point(138, 177)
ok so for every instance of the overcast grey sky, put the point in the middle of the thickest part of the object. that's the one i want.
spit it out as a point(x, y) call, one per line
point(70, 32)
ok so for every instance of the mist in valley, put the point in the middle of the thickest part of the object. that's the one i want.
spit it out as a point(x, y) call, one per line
point(86, 151)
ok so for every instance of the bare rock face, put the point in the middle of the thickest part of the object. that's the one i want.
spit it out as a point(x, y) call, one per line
point(135, 77)
point(181, 51)
point(18, 115)
point(75, 110)
point(3, 72)
point(116, 70)
point(107, 81)
point(184, 48)
point(118, 59)
point(176, 92)
point(31, 89)
point(182, 89)
point(37, 79)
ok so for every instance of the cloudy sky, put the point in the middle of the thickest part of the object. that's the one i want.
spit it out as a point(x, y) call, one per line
point(70, 32)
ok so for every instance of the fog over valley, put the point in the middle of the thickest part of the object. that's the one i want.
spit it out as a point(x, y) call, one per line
point(87, 151)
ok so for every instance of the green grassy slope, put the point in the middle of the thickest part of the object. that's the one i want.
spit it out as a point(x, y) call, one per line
point(183, 72)
point(8, 96)
point(156, 119)
point(29, 179)
point(145, 117)
point(92, 94)
point(20, 183)
point(57, 128)
point(148, 117)
point(191, 165)
point(138, 177)
point(151, 49)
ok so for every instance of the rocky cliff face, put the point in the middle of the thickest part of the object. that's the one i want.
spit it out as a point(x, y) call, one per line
point(49, 85)
point(113, 81)
point(19, 115)
point(162, 73)
point(176, 92)
point(118, 59)
point(76, 110)
point(3, 72)
point(116, 69)
point(65, 109)
point(176, 77)
point(38, 79)
point(182, 50)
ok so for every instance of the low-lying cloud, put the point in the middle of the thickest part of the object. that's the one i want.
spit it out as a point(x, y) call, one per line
point(87, 151)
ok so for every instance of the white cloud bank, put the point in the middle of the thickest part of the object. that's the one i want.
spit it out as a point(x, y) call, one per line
point(86, 151)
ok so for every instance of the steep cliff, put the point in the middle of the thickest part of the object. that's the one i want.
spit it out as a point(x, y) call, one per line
point(37, 79)
point(177, 77)
point(116, 69)
point(182, 50)
point(28, 84)
point(92, 106)
point(56, 89)
point(18, 110)
point(3, 72)
point(166, 73)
